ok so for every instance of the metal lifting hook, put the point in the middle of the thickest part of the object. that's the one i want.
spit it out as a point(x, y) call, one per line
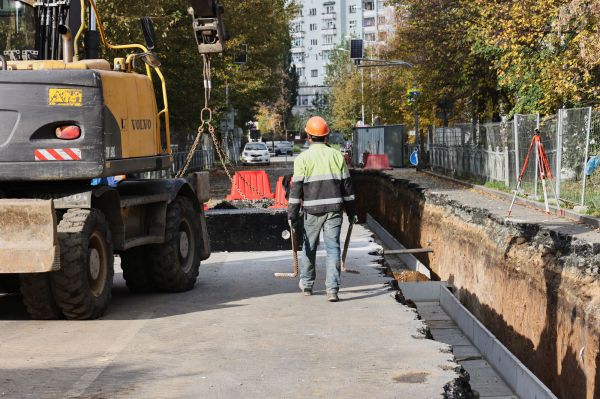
point(202, 113)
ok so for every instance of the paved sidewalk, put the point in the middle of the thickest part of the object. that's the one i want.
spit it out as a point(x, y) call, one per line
point(239, 334)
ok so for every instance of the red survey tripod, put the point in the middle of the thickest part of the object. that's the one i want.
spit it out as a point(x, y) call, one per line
point(543, 169)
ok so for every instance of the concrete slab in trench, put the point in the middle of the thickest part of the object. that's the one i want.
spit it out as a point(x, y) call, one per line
point(240, 333)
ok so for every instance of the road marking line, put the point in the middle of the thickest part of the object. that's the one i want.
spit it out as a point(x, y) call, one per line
point(103, 361)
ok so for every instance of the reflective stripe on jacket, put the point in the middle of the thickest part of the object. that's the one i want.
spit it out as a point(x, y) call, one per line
point(321, 182)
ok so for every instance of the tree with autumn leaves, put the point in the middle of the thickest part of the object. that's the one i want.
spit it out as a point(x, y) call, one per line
point(481, 59)
point(263, 81)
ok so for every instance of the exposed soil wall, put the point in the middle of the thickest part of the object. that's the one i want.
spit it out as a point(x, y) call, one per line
point(538, 291)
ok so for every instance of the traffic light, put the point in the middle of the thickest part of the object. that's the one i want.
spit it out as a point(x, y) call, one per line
point(356, 49)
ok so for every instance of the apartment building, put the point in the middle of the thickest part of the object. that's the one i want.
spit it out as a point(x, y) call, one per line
point(320, 27)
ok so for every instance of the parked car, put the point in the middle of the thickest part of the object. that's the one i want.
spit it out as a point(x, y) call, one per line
point(284, 148)
point(256, 153)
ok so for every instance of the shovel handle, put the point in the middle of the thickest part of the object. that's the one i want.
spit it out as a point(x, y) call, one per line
point(346, 245)
point(294, 274)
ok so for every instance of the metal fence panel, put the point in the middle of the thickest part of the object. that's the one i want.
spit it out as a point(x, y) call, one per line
point(523, 128)
point(393, 137)
point(574, 131)
point(369, 139)
point(497, 151)
point(592, 190)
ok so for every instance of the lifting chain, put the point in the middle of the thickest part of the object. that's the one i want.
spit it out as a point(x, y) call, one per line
point(206, 124)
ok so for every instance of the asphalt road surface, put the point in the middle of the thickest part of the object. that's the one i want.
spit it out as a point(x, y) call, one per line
point(239, 334)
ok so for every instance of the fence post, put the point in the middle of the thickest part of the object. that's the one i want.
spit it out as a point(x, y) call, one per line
point(587, 149)
point(535, 178)
point(506, 168)
point(516, 145)
point(559, 131)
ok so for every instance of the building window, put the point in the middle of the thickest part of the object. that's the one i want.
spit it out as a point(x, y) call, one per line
point(328, 39)
point(352, 9)
point(352, 24)
point(368, 6)
point(329, 9)
point(325, 55)
point(298, 57)
point(313, 42)
point(313, 27)
point(369, 37)
point(381, 20)
point(300, 72)
point(329, 24)
point(314, 73)
point(313, 11)
point(302, 100)
point(298, 42)
point(369, 21)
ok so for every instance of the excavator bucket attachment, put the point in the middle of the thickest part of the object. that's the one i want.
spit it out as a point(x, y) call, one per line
point(28, 238)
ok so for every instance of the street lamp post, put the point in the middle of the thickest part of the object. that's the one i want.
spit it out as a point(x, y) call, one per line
point(362, 96)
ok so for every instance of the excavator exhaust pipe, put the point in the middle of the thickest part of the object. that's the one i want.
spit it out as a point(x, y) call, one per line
point(67, 43)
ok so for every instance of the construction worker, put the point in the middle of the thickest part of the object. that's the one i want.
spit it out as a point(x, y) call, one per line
point(322, 187)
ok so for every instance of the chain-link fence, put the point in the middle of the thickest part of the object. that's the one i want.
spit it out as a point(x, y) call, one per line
point(592, 170)
point(497, 152)
point(203, 159)
point(573, 144)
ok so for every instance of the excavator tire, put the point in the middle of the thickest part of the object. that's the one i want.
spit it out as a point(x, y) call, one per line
point(82, 288)
point(175, 263)
point(136, 270)
point(37, 296)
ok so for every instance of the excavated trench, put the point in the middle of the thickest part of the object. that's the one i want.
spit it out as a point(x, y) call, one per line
point(536, 289)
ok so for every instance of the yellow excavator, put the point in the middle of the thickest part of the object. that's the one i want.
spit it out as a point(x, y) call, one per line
point(69, 123)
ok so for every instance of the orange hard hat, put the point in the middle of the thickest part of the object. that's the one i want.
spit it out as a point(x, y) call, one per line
point(316, 126)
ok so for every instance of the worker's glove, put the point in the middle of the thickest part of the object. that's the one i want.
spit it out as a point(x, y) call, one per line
point(353, 219)
point(294, 223)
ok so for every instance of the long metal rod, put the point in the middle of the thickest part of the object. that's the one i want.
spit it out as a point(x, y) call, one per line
point(407, 251)
point(390, 62)
point(362, 96)
point(383, 65)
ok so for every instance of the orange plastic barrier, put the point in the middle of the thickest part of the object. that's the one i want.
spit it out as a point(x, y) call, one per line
point(253, 183)
point(280, 201)
point(378, 162)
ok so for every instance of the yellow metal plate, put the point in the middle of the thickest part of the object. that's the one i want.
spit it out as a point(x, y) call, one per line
point(65, 97)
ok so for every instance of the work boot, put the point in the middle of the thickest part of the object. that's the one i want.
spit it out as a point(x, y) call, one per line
point(305, 291)
point(332, 297)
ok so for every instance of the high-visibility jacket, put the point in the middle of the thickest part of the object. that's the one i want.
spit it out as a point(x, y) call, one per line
point(321, 182)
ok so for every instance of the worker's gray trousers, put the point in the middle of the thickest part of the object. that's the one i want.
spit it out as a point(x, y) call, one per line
point(331, 224)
